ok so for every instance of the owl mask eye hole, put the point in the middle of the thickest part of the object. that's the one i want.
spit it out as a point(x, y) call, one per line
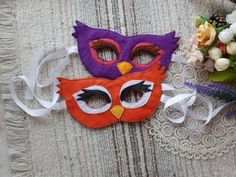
point(145, 54)
point(104, 51)
point(142, 89)
point(93, 100)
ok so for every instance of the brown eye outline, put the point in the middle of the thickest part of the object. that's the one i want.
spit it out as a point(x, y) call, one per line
point(148, 48)
point(104, 43)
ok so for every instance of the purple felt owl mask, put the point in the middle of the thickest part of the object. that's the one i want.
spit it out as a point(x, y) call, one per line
point(90, 40)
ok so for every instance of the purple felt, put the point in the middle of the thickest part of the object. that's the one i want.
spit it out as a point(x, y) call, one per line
point(84, 34)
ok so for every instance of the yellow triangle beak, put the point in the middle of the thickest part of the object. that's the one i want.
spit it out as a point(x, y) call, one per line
point(117, 111)
point(124, 67)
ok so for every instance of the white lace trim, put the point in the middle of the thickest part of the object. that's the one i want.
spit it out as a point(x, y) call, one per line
point(192, 139)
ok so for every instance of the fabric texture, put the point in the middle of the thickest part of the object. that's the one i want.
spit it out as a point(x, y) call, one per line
point(56, 145)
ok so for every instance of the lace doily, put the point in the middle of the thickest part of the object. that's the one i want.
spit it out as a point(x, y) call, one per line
point(192, 139)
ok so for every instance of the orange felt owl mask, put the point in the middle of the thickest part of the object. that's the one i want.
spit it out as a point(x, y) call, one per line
point(77, 92)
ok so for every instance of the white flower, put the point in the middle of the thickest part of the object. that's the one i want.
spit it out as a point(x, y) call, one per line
point(215, 53)
point(233, 28)
point(231, 18)
point(231, 48)
point(226, 35)
point(222, 64)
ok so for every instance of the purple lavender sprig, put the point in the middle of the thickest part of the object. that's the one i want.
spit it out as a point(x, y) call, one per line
point(223, 90)
point(231, 113)
point(218, 90)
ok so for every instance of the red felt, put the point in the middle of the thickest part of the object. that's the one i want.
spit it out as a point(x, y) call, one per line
point(69, 87)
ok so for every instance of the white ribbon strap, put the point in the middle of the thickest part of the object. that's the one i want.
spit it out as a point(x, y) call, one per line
point(179, 100)
point(31, 82)
point(182, 102)
point(178, 58)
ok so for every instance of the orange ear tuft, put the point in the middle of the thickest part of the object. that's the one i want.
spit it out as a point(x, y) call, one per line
point(64, 86)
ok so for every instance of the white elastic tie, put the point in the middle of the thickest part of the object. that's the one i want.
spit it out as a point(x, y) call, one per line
point(178, 58)
point(32, 82)
point(182, 101)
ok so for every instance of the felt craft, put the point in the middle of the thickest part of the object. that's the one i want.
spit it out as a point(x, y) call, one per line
point(91, 40)
point(128, 73)
point(77, 93)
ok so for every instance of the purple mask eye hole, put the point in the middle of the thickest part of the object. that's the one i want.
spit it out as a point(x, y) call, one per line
point(146, 54)
point(104, 51)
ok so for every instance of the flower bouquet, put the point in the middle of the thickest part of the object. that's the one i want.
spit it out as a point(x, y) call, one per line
point(215, 46)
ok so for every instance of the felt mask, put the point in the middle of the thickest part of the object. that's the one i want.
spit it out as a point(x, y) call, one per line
point(117, 78)
point(91, 40)
point(77, 92)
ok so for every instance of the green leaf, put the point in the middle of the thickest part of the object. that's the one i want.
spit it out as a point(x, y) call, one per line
point(203, 49)
point(232, 62)
point(218, 30)
point(234, 67)
point(221, 76)
point(204, 18)
point(231, 57)
point(214, 23)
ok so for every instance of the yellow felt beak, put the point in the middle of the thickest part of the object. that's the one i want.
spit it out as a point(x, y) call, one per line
point(124, 67)
point(117, 111)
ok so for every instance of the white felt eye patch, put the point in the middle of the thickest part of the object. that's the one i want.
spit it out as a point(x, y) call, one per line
point(83, 95)
point(145, 87)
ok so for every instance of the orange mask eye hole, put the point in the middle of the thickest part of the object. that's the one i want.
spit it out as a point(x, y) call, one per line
point(93, 100)
point(132, 96)
point(135, 93)
point(96, 101)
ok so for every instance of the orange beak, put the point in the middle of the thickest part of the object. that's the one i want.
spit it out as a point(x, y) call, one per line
point(124, 67)
point(117, 111)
